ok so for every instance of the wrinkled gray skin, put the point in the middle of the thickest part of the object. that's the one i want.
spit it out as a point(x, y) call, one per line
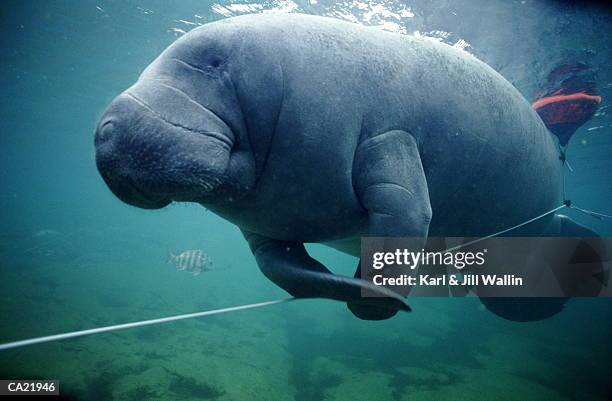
point(308, 129)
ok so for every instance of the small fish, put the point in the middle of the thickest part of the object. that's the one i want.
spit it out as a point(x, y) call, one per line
point(47, 232)
point(194, 261)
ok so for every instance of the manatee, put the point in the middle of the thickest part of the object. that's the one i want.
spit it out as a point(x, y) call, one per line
point(304, 129)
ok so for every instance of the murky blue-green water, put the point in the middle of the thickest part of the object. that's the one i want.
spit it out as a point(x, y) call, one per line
point(72, 256)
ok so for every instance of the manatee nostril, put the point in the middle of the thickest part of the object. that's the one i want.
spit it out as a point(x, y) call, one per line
point(108, 159)
point(104, 132)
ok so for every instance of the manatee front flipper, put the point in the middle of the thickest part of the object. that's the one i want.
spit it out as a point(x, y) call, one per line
point(389, 180)
point(289, 266)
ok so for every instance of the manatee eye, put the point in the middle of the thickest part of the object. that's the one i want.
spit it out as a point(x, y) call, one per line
point(215, 63)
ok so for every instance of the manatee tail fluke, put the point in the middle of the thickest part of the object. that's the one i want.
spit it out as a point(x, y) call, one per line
point(584, 273)
point(568, 99)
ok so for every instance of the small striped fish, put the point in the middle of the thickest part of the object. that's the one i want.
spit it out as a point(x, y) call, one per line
point(193, 260)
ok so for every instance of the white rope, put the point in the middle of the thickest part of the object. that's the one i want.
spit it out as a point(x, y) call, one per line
point(105, 329)
point(507, 229)
point(72, 334)
point(597, 215)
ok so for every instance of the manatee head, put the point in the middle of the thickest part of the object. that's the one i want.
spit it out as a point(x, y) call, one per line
point(176, 135)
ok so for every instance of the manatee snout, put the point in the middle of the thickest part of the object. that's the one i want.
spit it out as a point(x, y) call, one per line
point(148, 156)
